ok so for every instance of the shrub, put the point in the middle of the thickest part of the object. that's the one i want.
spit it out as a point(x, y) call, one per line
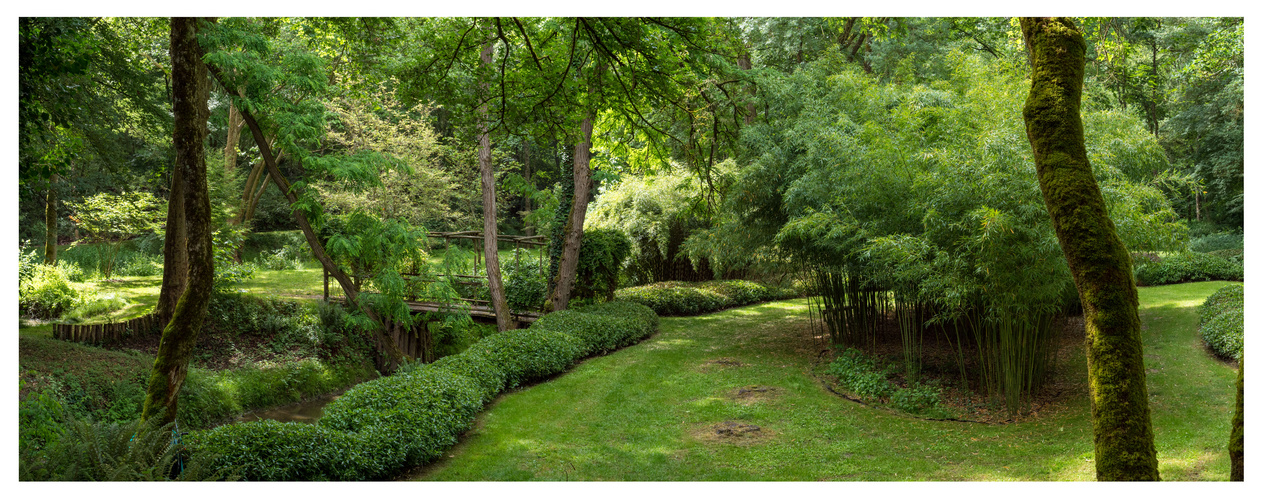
point(600, 262)
point(96, 307)
point(1227, 298)
point(1235, 255)
point(44, 292)
point(524, 281)
point(1187, 267)
point(1217, 241)
point(266, 450)
point(210, 397)
point(677, 298)
point(919, 399)
point(408, 418)
point(1225, 334)
point(859, 374)
point(528, 355)
point(1221, 321)
point(489, 376)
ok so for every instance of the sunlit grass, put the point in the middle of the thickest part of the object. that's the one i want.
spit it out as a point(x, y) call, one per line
point(646, 413)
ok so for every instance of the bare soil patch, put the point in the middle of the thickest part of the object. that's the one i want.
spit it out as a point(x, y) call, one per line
point(731, 432)
point(754, 393)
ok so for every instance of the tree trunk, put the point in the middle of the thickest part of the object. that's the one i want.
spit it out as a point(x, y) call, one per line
point(1236, 446)
point(498, 299)
point(577, 217)
point(1124, 446)
point(310, 236)
point(189, 106)
point(235, 123)
point(50, 222)
point(176, 264)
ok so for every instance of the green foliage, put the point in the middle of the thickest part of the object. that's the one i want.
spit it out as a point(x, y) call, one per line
point(228, 273)
point(600, 263)
point(1217, 241)
point(266, 450)
point(101, 305)
point(130, 451)
point(44, 292)
point(211, 397)
point(525, 283)
point(677, 298)
point(40, 420)
point(656, 213)
point(919, 399)
point(530, 355)
point(602, 327)
point(860, 375)
point(113, 218)
point(1221, 321)
point(1187, 267)
point(490, 376)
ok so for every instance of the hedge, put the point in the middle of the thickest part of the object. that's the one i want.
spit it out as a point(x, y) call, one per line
point(678, 298)
point(379, 427)
point(1221, 321)
point(1188, 267)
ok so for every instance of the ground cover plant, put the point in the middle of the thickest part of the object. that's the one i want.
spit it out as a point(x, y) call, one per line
point(1188, 266)
point(738, 399)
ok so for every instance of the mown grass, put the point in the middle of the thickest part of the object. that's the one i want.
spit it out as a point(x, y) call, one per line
point(651, 412)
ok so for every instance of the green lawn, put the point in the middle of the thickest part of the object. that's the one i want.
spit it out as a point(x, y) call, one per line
point(654, 411)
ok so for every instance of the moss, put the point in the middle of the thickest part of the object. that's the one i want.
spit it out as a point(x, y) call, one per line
point(1124, 446)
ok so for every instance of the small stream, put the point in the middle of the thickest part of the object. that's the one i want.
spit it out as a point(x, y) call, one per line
point(306, 412)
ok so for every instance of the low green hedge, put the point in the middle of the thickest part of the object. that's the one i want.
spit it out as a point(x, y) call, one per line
point(1188, 267)
point(409, 418)
point(1221, 321)
point(678, 298)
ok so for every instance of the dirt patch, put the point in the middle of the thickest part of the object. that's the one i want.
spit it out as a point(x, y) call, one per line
point(754, 393)
point(721, 362)
point(738, 433)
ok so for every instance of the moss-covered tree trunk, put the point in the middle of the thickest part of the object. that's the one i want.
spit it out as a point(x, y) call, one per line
point(190, 88)
point(50, 222)
point(1124, 446)
point(498, 299)
point(563, 281)
point(176, 264)
point(1236, 446)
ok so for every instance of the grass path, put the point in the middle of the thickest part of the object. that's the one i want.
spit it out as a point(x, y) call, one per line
point(663, 410)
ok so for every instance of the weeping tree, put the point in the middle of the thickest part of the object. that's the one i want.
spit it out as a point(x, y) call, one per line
point(1124, 445)
point(190, 87)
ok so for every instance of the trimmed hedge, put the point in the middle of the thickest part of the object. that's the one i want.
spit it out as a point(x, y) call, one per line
point(678, 298)
point(1188, 267)
point(379, 427)
point(1221, 321)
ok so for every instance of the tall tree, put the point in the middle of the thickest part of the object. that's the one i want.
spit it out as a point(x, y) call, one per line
point(1236, 446)
point(498, 299)
point(176, 262)
point(190, 88)
point(1124, 446)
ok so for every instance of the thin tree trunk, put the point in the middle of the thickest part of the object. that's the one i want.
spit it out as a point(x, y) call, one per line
point(50, 222)
point(350, 291)
point(577, 217)
point(235, 123)
point(176, 262)
point(190, 92)
point(1124, 445)
point(498, 299)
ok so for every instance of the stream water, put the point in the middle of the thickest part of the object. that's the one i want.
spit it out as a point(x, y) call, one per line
point(306, 412)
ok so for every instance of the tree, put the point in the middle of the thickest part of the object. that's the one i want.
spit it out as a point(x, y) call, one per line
point(498, 298)
point(190, 88)
point(112, 219)
point(1236, 446)
point(1124, 447)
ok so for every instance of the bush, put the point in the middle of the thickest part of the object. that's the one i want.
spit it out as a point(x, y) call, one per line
point(528, 355)
point(44, 292)
point(602, 327)
point(96, 307)
point(1217, 241)
point(599, 263)
point(210, 397)
point(1187, 267)
point(677, 298)
point(525, 282)
point(491, 377)
point(919, 399)
point(266, 450)
point(1221, 321)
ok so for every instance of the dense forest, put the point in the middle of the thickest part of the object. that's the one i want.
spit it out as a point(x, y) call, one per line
point(879, 166)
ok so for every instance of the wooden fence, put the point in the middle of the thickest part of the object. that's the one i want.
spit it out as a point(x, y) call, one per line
point(108, 332)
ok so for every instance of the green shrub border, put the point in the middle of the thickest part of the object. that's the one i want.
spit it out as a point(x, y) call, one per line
point(379, 427)
point(680, 298)
point(1221, 321)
